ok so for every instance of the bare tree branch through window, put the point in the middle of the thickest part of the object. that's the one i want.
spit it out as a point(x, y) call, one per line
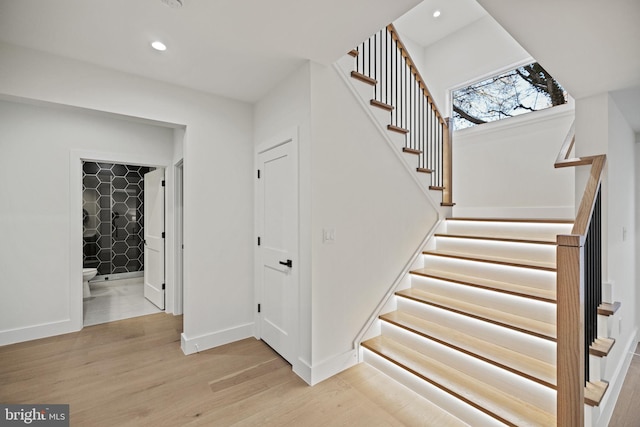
point(525, 89)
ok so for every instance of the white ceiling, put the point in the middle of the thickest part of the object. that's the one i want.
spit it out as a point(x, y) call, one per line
point(234, 48)
point(420, 26)
point(242, 48)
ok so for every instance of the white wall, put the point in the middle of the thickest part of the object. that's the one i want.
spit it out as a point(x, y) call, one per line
point(471, 53)
point(380, 216)
point(36, 142)
point(218, 172)
point(505, 168)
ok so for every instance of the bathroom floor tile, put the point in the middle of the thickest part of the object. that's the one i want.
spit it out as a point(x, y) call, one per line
point(116, 300)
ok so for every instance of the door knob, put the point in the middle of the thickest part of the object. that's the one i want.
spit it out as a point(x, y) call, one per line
point(289, 263)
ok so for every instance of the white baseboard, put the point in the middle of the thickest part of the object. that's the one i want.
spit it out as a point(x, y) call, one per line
point(192, 345)
point(35, 332)
point(332, 366)
point(555, 212)
point(615, 383)
point(303, 369)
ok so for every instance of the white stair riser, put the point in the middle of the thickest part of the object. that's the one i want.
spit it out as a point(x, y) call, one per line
point(442, 399)
point(541, 279)
point(515, 385)
point(597, 367)
point(524, 307)
point(510, 250)
point(523, 230)
point(539, 348)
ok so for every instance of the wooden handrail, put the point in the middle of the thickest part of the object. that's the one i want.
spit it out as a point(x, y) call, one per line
point(416, 73)
point(571, 292)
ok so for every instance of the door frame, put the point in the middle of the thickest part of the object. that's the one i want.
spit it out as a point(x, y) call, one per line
point(178, 251)
point(287, 136)
point(76, 158)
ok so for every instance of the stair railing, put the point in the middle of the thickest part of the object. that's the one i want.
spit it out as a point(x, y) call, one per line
point(579, 290)
point(401, 89)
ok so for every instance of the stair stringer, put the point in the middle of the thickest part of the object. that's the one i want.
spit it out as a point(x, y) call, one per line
point(343, 67)
point(388, 303)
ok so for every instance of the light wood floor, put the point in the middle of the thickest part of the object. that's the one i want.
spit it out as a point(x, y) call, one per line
point(627, 410)
point(133, 373)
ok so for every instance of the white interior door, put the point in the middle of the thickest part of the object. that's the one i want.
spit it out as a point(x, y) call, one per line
point(154, 237)
point(277, 252)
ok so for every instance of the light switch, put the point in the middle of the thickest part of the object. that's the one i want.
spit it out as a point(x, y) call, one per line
point(328, 235)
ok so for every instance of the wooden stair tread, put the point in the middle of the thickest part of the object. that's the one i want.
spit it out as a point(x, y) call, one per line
point(608, 308)
point(508, 320)
point(411, 151)
point(398, 129)
point(539, 265)
point(436, 187)
point(601, 346)
point(518, 363)
point(493, 402)
point(594, 392)
point(480, 282)
point(366, 79)
point(381, 104)
point(354, 52)
point(423, 170)
point(512, 239)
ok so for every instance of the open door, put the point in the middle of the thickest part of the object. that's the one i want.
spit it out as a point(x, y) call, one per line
point(154, 237)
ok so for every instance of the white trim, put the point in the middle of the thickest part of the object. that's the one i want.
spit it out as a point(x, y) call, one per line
point(178, 254)
point(332, 366)
point(215, 339)
point(303, 369)
point(44, 330)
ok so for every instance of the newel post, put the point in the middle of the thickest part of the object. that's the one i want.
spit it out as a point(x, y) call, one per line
point(570, 331)
point(447, 162)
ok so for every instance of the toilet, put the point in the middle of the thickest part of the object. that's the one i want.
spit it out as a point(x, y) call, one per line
point(87, 274)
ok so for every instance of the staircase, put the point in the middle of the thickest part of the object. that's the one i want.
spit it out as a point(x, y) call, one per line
point(475, 333)
point(478, 322)
point(473, 329)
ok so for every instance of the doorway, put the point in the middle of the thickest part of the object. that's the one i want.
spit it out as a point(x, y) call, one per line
point(114, 197)
point(277, 267)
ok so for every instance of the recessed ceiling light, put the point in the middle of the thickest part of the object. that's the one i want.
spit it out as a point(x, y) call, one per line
point(157, 45)
point(173, 3)
point(436, 13)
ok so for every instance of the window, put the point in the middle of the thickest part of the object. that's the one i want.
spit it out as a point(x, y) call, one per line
point(519, 91)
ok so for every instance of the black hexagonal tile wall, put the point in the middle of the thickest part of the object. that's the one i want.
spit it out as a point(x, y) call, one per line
point(112, 217)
